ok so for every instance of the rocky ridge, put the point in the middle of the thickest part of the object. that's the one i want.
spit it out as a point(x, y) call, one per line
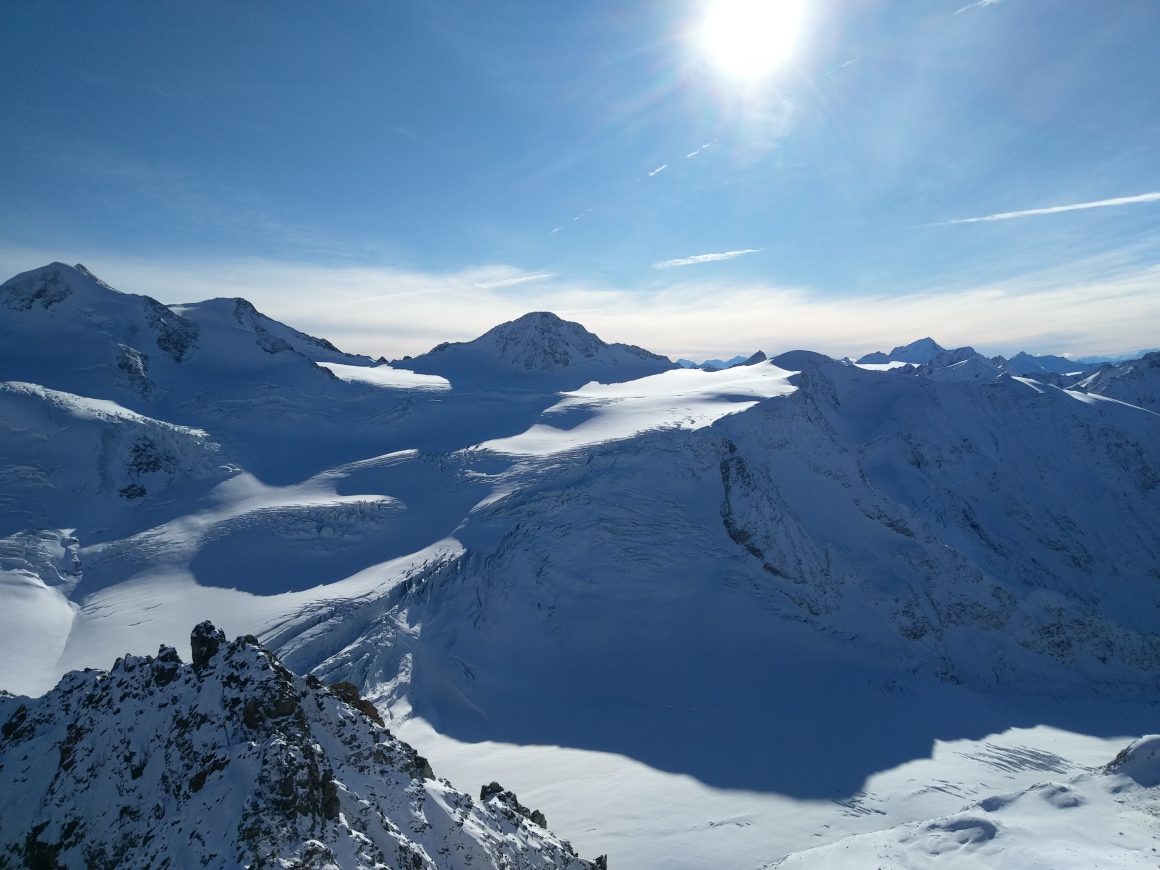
point(231, 761)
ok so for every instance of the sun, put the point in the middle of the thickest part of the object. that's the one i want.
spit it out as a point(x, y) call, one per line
point(748, 40)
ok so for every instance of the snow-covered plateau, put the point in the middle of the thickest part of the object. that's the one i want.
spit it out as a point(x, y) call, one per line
point(786, 612)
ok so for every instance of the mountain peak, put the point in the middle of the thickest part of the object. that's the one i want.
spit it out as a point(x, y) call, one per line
point(918, 352)
point(48, 286)
point(922, 346)
point(543, 340)
point(537, 344)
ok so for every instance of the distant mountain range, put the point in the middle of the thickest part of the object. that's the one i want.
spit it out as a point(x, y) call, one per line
point(769, 582)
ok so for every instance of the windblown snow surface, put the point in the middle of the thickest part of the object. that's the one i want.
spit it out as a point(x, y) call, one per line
point(796, 611)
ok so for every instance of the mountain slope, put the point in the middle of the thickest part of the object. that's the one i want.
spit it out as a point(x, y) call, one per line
point(240, 316)
point(69, 460)
point(869, 530)
point(1136, 382)
point(233, 761)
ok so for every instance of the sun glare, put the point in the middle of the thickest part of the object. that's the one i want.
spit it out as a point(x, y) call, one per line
point(749, 39)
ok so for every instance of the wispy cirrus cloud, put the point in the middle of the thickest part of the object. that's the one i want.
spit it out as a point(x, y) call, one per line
point(1057, 209)
point(512, 282)
point(704, 258)
point(979, 5)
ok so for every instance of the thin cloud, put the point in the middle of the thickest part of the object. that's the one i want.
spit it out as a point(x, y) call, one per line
point(582, 214)
point(1057, 209)
point(658, 170)
point(844, 65)
point(512, 282)
point(704, 258)
point(979, 5)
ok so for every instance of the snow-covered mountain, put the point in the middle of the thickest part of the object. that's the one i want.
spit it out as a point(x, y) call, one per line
point(78, 461)
point(927, 352)
point(65, 329)
point(233, 761)
point(921, 351)
point(1027, 364)
point(1136, 382)
point(666, 601)
point(960, 364)
point(917, 525)
point(716, 365)
point(539, 346)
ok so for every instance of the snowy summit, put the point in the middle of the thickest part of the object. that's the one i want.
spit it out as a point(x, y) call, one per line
point(538, 345)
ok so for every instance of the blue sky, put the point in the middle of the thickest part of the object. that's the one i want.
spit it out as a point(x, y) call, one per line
point(393, 174)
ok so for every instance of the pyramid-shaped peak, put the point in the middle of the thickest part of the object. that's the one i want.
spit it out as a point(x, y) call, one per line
point(537, 343)
point(918, 352)
point(541, 341)
point(49, 285)
point(540, 323)
point(925, 345)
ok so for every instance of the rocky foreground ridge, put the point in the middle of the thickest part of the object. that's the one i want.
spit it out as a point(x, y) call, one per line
point(234, 761)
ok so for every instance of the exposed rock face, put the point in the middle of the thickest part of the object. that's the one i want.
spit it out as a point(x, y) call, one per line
point(44, 288)
point(204, 643)
point(509, 804)
point(176, 336)
point(234, 761)
point(1139, 761)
